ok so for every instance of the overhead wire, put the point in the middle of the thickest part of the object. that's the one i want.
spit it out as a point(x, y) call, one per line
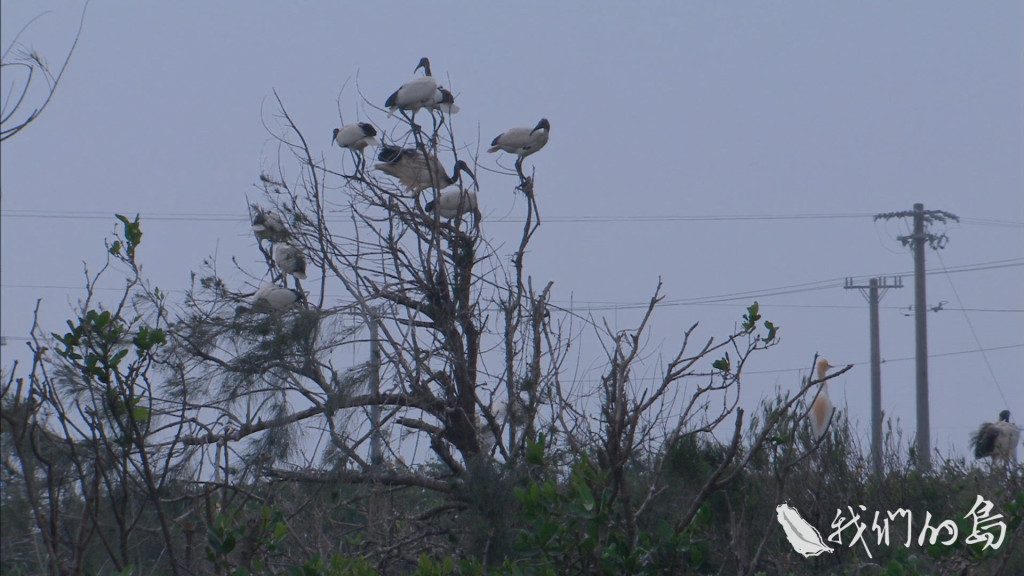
point(600, 305)
point(974, 333)
point(597, 219)
point(899, 359)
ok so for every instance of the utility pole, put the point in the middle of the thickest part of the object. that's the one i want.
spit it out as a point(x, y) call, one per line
point(917, 242)
point(873, 297)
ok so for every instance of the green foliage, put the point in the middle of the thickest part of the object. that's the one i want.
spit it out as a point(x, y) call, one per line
point(750, 320)
point(723, 364)
point(132, 237)
point(240, 542)
point(751, 317)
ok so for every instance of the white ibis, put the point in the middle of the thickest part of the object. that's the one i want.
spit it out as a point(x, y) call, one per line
point(453, 204)
point(421, 92)
point(269, 226)
point(290, 259)
point(445, 102)
point(271, 298)
point(821, 408)
point(355, 137)
point(417, 169)
point(996, 440)
point(522, 141)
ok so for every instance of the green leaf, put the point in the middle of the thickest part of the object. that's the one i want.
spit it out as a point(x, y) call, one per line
point(140, 414)
point(586, 498)
point(723, 364)
point(116, 360)
point(751, 317)
point(772, 330)
point(147, 338)
point(132, 233)
point(535, 451)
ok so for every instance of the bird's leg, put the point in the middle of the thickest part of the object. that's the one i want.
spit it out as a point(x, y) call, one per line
point(437, 128)
point(360, 161)
point(266, 254)
point(411, 120)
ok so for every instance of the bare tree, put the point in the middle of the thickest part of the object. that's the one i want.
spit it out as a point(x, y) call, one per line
point(23, 99)
point(458, 346)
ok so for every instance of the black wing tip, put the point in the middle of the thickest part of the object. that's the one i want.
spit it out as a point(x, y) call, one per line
point(389, 153)
point(391, 100)
point(984, 441)
point(368, 129)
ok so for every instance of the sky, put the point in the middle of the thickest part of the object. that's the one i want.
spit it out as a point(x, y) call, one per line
point(735, 151)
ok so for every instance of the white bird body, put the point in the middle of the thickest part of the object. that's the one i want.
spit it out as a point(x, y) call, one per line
point(272, 298)
point(997, 440)
point(355, 137)
point(453, 203)
point(522, 141)
point(269, 226)
point(821, 408)
point(290, 259)
point(417, 169)
point(421, 92)
point(444, 101)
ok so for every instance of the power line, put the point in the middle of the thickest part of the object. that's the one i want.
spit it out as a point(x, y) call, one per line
point(899, 359)
point(973, 332)
point(795, 370)
point(717, 299)
point(590, 305)
point(992, 222)
point(597, 219)
point(795, 288)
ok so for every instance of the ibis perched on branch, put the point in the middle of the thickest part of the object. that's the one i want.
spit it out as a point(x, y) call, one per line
point(821, 408)
point(417, 169)
point(522, 141)
point(269, 226)
point(421, 92)
point(290, 259)
point(271, 298)
point(355, 137)
point(996, 440)
point(455, 203)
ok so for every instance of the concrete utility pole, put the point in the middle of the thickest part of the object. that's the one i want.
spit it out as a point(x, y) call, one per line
point(917, 242)
point(874, 297)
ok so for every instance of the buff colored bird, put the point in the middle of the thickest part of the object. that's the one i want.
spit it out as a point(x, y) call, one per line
point(822, 408)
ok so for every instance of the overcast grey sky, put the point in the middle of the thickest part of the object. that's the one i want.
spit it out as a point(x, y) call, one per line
point(669, 121)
